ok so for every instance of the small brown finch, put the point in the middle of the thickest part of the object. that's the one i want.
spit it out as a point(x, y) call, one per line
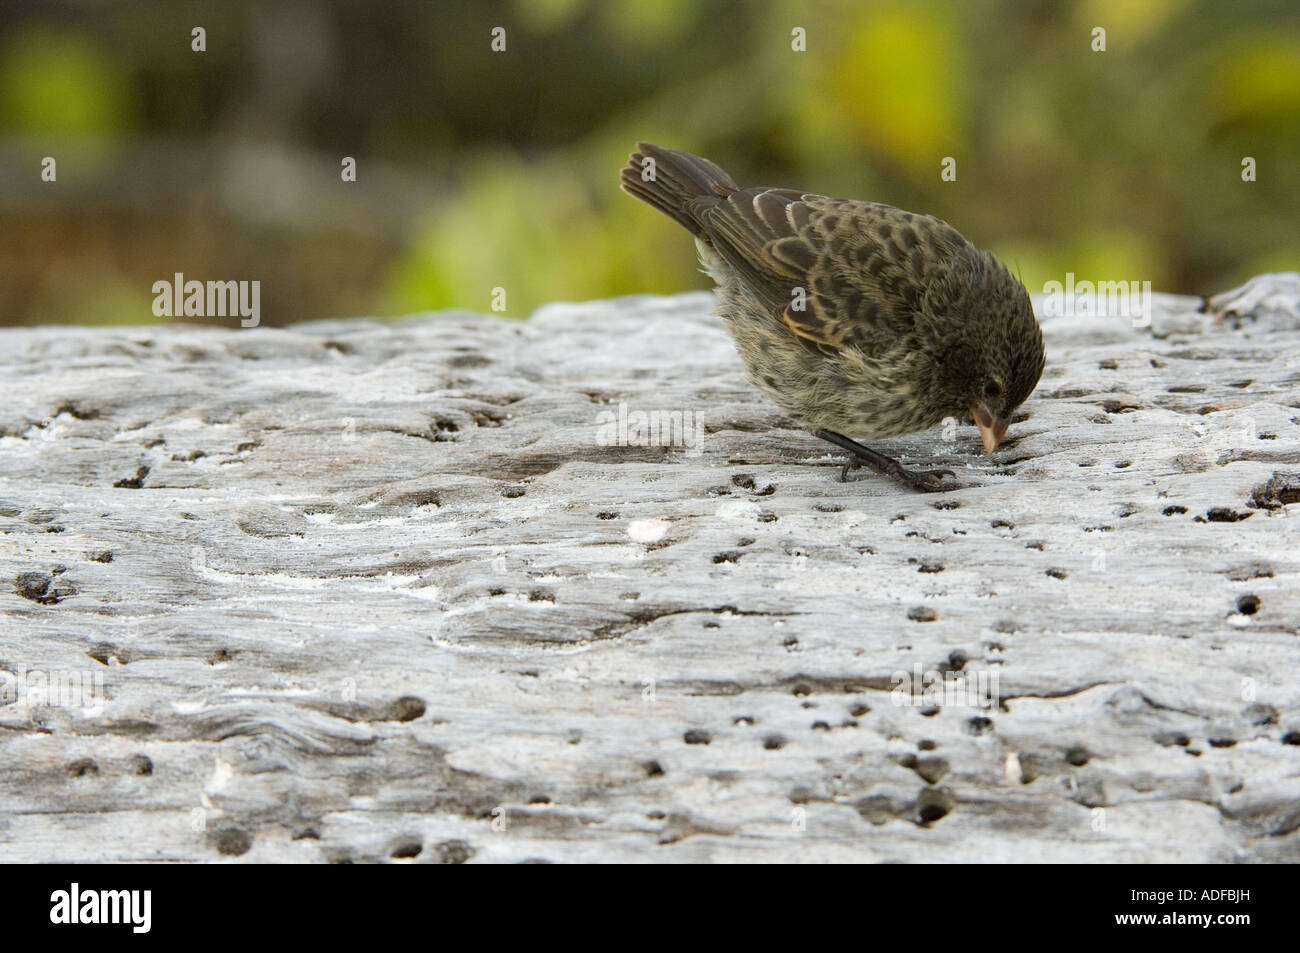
point(854, 317)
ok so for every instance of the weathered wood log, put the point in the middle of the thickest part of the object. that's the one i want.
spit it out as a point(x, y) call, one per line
point(360, 590)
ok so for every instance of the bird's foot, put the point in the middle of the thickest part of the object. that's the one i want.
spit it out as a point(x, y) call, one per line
point(926, 481)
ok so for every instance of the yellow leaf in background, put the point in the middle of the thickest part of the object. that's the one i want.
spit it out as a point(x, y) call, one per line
point(646, 23)
point(61, 82)
point(1115, 255)
point(545, 15)
point(1126, 22)
point(1032, 266)
point(896, 83)
point(536, 230)
point(1259, 79)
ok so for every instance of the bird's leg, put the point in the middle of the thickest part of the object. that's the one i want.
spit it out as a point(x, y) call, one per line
point(925, 480)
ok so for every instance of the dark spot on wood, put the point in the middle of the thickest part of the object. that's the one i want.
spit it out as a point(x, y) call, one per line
point(453, 852)
point(405, 849)
point(933, 806)
point(39, 588)
point(1222, 514)
point(932, 770)
point(1279, 490)
point(1119, 406)
point(978, 725)
point(135, 482)
point(102, 652)
point(468, 360)
point(233, 842)
point(406, 708)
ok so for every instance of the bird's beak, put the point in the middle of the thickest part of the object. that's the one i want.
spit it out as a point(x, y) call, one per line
point(992, 427)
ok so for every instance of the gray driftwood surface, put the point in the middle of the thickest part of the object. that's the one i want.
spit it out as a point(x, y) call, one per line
point(363, 590)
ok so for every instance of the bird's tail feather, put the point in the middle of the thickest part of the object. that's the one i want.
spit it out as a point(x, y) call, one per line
point(668, 179)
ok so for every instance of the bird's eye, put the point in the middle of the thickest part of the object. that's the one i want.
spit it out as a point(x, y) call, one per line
point(992, 388)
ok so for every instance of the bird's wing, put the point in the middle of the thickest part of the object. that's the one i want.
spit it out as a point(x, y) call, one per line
point(863, 267)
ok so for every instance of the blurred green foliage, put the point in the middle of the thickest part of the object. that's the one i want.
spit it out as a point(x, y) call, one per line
point(480, 170)
point(58, 82)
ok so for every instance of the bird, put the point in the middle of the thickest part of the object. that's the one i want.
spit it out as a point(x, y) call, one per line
point(857, 318)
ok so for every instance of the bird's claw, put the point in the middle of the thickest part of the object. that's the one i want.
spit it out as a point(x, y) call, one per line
point(927, 481)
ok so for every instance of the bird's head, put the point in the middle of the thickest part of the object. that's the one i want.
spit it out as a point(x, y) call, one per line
point(985, 344)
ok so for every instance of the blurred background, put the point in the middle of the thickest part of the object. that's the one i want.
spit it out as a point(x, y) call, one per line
point(479, 169)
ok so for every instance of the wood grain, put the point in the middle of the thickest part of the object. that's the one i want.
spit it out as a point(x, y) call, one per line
point(375, 591)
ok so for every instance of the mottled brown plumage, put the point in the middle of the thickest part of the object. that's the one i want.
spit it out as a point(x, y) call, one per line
point(855, 317)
